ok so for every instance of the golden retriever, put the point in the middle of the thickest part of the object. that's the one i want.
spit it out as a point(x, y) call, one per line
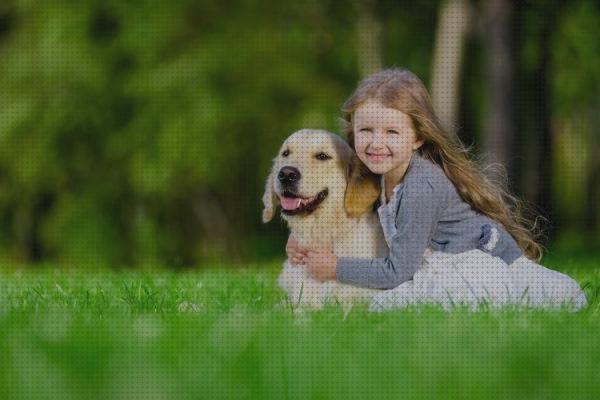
point(326, 202)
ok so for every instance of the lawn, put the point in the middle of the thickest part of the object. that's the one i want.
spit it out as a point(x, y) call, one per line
point(218, 333)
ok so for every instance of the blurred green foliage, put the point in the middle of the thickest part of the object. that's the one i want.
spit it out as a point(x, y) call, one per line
point(140, 132)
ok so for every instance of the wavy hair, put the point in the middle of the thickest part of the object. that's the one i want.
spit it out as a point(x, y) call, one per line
point(402, 90)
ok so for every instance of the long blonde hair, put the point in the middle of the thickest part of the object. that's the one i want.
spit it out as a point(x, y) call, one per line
point(402, 90)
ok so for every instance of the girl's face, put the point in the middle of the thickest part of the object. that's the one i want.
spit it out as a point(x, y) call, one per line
point(384, 138)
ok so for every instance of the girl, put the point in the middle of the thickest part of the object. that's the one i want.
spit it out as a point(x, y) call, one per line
point(433, 197)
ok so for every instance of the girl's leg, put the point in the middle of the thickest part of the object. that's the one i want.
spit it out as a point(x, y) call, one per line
point(537, 286)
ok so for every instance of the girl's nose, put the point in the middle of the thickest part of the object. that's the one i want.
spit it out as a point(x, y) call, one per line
point(378, 139)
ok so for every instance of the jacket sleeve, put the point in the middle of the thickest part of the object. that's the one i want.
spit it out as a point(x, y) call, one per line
point(417, 217)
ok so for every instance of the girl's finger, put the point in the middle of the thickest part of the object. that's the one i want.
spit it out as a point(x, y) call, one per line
point(297, 260)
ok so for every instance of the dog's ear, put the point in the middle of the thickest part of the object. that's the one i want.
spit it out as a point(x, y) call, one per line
point(269, 199)
point(362, 190)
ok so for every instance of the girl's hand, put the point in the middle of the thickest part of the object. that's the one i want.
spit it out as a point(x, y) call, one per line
point(294, 252)
point(321, 265)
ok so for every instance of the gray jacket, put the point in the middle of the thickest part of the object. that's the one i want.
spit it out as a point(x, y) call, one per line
point(425, 211)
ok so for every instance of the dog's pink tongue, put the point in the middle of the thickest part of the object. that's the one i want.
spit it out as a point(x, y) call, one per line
point(290, 203)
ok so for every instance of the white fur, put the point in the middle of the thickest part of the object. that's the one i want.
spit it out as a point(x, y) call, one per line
point(328, 226)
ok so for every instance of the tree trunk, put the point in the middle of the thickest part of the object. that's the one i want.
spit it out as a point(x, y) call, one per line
point(500, 124)
point(543, 129)
point(536, 149)
point(368, 32)
point(453, 25)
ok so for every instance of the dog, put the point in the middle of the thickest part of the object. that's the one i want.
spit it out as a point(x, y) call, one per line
point(327, 202)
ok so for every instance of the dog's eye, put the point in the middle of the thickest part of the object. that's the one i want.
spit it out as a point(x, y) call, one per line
point(322, 157)
point(285, 153)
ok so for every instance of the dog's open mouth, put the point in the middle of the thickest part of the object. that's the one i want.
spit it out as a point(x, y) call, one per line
point(292, 204)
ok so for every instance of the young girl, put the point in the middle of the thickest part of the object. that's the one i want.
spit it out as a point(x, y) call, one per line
point(433, 198)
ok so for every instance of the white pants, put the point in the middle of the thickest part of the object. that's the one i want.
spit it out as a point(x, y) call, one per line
point(475, 278)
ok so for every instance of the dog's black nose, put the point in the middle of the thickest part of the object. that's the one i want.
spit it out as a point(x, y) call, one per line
point(288, 175)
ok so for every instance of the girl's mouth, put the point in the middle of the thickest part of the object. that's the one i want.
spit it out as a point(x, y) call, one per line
point(377, 157)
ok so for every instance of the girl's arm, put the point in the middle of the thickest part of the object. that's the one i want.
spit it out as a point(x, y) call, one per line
point(419, 212)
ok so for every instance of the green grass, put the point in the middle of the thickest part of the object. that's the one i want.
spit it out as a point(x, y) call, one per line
point(218, 333)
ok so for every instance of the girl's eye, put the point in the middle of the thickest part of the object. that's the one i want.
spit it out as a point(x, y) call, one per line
point(322, 157)
point(285, 153)
point(393, 132)
point(365, 130)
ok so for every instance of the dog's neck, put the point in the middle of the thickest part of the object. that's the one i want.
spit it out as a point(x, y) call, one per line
point(323, 230)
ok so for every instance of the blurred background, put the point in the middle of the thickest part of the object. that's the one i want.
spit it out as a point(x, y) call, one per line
point(140, 132)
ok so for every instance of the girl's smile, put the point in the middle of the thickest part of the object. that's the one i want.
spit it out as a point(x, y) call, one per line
point(377, 158)
point(384, 139)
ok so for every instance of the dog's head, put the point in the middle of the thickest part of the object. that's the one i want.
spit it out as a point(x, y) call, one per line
point(316, 169)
